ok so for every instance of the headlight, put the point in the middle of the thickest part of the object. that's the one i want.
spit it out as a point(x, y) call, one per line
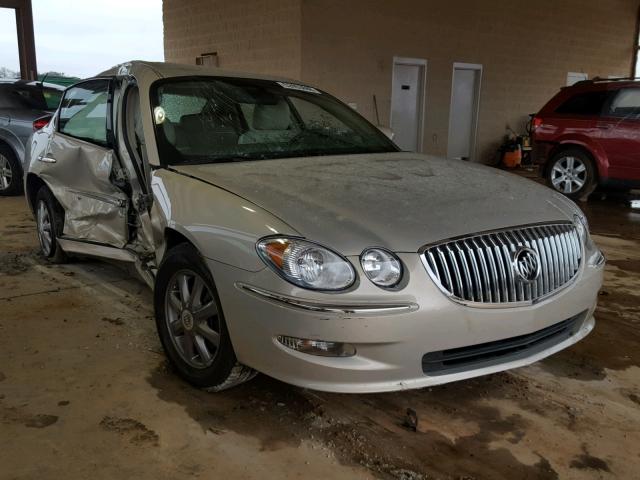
point(381, 267)
point(582, 225)
point(306, 264)
point(597, 258)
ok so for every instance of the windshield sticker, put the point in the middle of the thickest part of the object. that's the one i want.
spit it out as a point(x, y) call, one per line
point(159, 115)
point(296, 86)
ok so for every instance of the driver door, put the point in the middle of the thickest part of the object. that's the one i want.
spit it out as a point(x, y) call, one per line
point(81, 167)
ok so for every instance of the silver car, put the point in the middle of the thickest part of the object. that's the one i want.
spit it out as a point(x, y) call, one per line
point(24, 106)
point(283, 233)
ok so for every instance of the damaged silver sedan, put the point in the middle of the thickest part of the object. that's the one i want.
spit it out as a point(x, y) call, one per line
point(283, 233)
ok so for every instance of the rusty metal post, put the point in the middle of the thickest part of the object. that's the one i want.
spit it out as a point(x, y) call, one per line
point(26, 40)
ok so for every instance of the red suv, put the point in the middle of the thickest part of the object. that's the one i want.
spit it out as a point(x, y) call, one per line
point(589, 135)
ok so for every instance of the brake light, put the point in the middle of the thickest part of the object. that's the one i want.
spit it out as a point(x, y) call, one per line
point(537, 122)
point(41, 122)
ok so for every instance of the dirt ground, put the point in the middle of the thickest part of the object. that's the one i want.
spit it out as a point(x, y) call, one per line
point(85, 392)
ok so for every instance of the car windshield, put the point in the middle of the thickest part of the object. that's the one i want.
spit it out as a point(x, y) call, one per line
point(209, 120)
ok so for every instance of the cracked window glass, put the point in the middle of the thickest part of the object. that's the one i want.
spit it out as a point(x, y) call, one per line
point(232, 119)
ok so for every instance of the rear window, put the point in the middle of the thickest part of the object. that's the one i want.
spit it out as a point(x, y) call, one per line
point(589, 103)
point(52, 98)
point(30, 97)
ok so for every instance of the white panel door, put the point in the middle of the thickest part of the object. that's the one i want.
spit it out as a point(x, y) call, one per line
point(462, 122)
point(406, 101)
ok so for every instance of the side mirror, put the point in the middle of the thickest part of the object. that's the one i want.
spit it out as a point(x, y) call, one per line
point(387, 131)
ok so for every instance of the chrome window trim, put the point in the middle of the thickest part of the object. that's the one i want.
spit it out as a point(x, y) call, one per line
point(546, 255)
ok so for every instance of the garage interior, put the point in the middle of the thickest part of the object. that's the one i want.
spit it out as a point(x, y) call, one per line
point(85, 390)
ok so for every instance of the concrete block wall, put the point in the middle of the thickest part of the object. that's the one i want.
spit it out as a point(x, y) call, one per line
point(261, 36)
point(526, 49)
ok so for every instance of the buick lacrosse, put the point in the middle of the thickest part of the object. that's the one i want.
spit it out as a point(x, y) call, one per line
point(283, 233)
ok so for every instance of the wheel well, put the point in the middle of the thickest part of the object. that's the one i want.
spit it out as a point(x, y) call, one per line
point(8, 146)
point(34, 184)
point(173, 238)
point(4, 143)
point(569, 146)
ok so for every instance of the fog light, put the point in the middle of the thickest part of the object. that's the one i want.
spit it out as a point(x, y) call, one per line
point(318, 347)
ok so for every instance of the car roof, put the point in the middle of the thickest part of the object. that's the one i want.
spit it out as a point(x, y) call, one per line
point(605, 84)
point(168, 70)
point(29, 83)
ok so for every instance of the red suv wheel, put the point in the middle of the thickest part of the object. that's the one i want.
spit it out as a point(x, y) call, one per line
point(572, 173)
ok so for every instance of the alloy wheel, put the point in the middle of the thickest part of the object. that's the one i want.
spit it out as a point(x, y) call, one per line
point(45, 229)
point(6, 174)
point(192, 319)
point(568, 174)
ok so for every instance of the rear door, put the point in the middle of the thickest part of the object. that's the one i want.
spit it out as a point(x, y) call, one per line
point(82, 169)
point(619, 134)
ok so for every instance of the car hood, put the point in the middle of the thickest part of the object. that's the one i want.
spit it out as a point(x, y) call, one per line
point(400, 201)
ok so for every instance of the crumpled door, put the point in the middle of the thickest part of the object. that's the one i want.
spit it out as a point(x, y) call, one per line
point(79, 174)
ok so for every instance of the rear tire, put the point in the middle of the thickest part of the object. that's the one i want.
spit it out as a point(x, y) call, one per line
point(572, 173)
point(191, 324)
point(10, 173)
point(50, 224)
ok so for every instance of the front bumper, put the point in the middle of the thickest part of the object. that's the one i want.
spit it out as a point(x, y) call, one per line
point(391, 331)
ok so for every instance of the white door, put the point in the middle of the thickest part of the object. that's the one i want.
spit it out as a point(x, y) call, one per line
point(463, 115)
point(406, 104)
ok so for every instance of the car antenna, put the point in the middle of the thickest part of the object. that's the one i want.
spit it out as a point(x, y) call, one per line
point(43, 78)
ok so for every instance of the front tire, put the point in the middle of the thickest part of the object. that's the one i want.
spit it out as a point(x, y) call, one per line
point(191, 324)
point(50, 223)
point(572, 173)
point(10, 173)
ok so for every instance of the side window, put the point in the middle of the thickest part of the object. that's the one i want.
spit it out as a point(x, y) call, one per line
point(588, 104)
point(626, 104)
point(83, 112)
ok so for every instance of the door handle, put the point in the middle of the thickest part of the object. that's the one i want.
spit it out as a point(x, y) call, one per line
point(44, 159)
point(603, 126)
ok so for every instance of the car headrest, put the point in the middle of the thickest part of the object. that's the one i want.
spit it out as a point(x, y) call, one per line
point(192, 121)
point(169, 131)
point(272, 117)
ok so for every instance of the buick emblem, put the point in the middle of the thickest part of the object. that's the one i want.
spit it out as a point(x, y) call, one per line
point(526, 264)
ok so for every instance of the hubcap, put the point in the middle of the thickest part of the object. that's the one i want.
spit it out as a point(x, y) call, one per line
point(6, 174)
point(192, 318)
point(187, 320)
point(45, 232)
point(569, 174)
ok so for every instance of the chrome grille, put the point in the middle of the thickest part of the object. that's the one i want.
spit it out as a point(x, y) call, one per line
point(479, 268)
